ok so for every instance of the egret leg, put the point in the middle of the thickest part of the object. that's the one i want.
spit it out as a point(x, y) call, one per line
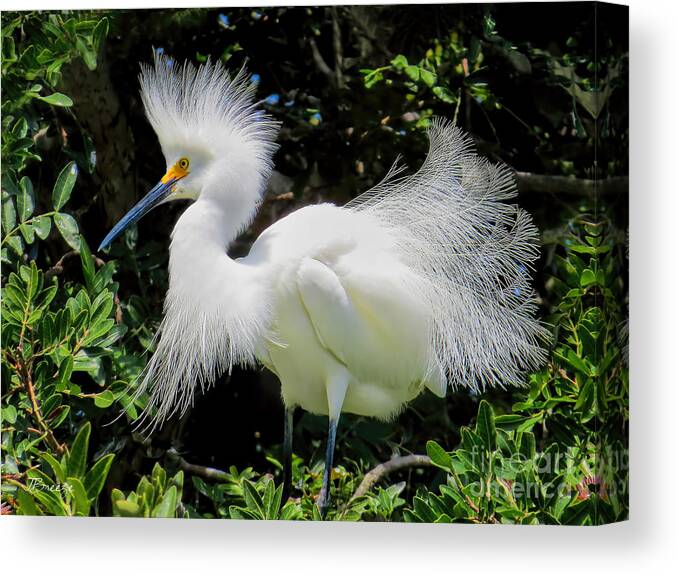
point(336, 391)
point(324, 498)
point(287, 453)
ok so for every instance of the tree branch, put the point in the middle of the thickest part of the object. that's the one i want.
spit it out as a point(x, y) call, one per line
point(338, 49)
point(387, 467)
point(529, 183)
point(360, 27)
point(320, 61)
point(200, 470)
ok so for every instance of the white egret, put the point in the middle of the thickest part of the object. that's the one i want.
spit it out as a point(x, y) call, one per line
point(421, 282)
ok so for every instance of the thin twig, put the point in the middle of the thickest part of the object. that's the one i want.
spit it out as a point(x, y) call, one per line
point(27, 380)
point(118, 309)
point(285, 197)
point(58, 268)
point(460, 487)
point(387, 467)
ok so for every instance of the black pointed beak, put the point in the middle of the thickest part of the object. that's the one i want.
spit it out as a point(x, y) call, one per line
point(145, 205)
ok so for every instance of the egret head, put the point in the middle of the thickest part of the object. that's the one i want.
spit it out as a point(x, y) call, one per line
point(215, 141)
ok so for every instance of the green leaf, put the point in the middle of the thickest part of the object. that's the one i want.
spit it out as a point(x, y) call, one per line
point(423, 510)
point(50, 404)
point(115, 333)
point(57, 99)
point(485, 427)
point(289, 511)
point(372, 77)
point(530, 422)
point(50, 500)
point(27, 232)
point(572, 360)
point(178, 482)
point(444, 94)
point(68, 228)
point(528, 445)
point(428, 77)
point(65, 372)
point(79, 497)
point(159, 476)
point(57, 468)
point(253, 499)
point(77, 457)
point(8, 50)
point(582, 249)
point(167, 505)
point(587, 278)
point(241, 513)
point(59, 419)
point(412, 72)
point(88, 270)
point(117, 495)
point(510, 421)
point(42, 226)
point(100, 32)
point(101, 306)
point(579, 514)
point(126, 508)
point(27, 505)
point(9, 414)
point(8, 214)
point(276, 503)
point(470, 440)
point(64, 185)
point(438, 455)
point(104, 399)
point(269, 500)
point(20, 128)
point(586, 402)
point(88, 56)
point(96, 477)
point(399, 62)
point(25, 201)
point(469, 460)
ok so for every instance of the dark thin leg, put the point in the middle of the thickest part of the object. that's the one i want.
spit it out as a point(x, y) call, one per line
point(287, 453)
point(324, 499)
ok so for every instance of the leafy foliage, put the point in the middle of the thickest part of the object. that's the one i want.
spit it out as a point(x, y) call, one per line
point(35, 48)
point(560, 456)
point(68, 487)
point(158, 496)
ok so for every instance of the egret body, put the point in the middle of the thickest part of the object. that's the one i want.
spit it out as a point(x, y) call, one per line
point(421, 282)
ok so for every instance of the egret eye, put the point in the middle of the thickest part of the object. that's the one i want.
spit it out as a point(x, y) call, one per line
point(183, 163)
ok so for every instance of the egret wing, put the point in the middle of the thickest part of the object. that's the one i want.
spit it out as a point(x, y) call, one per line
point(373, 325)
point(327, 305)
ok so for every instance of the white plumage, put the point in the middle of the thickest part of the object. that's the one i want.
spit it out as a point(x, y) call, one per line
point(420, 282)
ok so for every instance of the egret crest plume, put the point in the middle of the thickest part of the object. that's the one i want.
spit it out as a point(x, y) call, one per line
point(188, 105)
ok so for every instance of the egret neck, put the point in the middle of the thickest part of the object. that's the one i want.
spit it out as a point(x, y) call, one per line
point(200, 270)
